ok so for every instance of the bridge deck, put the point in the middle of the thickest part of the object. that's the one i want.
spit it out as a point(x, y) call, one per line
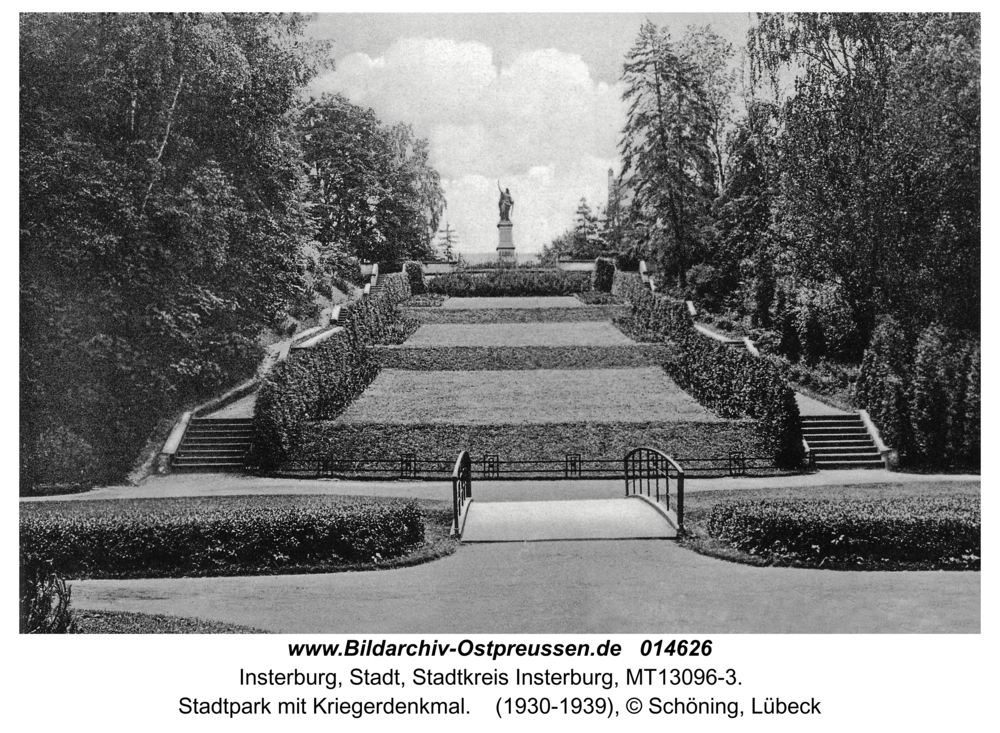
point(595, 519)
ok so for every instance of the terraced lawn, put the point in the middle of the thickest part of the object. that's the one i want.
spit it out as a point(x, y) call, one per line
point(586, 333)
point(521, 397)
point(553, 301)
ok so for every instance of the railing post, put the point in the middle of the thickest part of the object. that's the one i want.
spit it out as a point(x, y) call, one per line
point(680, 498)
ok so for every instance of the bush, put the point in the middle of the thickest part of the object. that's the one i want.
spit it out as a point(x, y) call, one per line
point(231, 535)
point(862, 534)
point(44, 597)
point(60, 456)
point(924, 395)
point(628, 261)
point(603, 277)
point(415, 273)
point(510, 283)
point(729, 380)
point(321, 382)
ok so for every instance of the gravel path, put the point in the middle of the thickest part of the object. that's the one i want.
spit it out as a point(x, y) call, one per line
point(619, 586)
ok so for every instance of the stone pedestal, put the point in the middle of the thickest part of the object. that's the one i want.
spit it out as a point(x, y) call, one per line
point(505, 249)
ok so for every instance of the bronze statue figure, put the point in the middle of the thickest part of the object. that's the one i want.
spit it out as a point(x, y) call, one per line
point(506, 203)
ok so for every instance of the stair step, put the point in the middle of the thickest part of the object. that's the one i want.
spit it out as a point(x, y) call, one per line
point(833, 432)
point(208, 468)
point(840, 440)
point(188, 461)
point(826, 457)
point(828, 450)
point(848, 465)
point(212, 421)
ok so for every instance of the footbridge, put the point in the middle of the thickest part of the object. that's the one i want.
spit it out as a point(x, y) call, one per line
point(652, 507)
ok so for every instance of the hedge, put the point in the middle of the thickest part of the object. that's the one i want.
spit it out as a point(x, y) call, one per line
point(550, 441)
point(218, 536)
point(415, 274)
point(729, 380)
point(924, 394)
point(478, 358)
point(515, 315)
point(603, 275)
point(510, 283)
point(877, 533)
point(320, 382)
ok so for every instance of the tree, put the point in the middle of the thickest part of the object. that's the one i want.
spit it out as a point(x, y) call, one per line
point(448, 242)
point(587, 243)
point(711, 56)
point(161, 222)
point(665, 150)
point(373, 192)
point(879, 151)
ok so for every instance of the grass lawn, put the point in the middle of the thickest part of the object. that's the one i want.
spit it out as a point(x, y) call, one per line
point(120, 622)
point(586, 333)
point(542, 301)
point(519, 397)
point(698, 509)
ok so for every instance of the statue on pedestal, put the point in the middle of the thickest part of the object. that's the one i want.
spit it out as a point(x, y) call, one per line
point(506, 203)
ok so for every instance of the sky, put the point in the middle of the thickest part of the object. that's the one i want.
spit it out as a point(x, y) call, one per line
point(532, 100)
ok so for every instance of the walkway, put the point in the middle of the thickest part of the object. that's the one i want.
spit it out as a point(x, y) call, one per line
point(224, 484)
point(616, 586)
point(622, 586)
point(592, 519)
point(810, 407)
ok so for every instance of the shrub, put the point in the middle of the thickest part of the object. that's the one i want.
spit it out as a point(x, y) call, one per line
point(415, 273)
point(60, 456)
point(156, 538)
point(628, 261)
point(728, 380)
point(510, 283)
point(923, 394)
point(320, 382)
point(871, 533)
point(44, 597)
point(603, 277)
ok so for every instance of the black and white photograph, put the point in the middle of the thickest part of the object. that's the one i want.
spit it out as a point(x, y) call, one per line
point(499, 323)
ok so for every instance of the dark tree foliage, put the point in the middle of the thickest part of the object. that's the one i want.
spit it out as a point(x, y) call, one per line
point(372, 189)
point(160, 219)
point(878, 182)
point(668, 166)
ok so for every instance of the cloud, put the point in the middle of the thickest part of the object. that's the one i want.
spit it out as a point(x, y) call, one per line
point(542, 125)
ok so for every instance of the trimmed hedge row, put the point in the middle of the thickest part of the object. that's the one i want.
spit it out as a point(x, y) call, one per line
point(604, 275)
point(510, 283)
point(862, 534)
point(728, 380)
point(476, 358)
point(219, 536)
point(529, 442)
point(516, 315)
point(321, 382)
point(415, 274)
point(925, 396)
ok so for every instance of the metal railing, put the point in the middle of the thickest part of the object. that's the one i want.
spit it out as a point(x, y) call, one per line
point(648, 473)
point(491, 467)
point(461, 489)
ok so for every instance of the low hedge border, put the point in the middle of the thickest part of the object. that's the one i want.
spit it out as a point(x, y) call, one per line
point(510, 282)
point(238, 535)
point(483, 358)
point(872, 534)
point(528, 442)
point(517, 315)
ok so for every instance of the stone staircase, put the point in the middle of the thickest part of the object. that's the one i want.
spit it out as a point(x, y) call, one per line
point(213, 445)
point(840, 441)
